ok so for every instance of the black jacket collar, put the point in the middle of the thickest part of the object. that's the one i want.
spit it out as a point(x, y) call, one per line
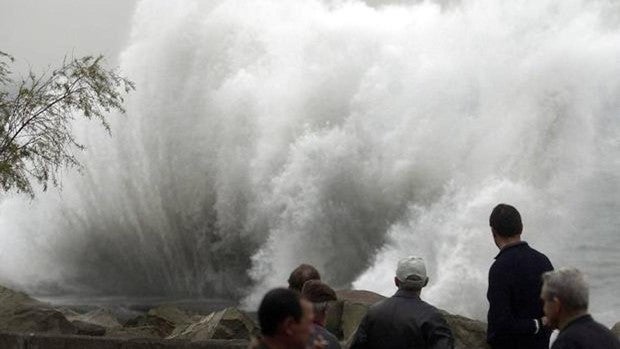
point(406, 294)
point(519, 244)
point(581, 319)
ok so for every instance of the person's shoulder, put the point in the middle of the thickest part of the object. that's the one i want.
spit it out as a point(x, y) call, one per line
point(564, 342)
point(378, 307)
point(571, 337)
point(583, 332)
point(330, 338)
point(540, 256)
point(536, 252)
point(430, 312)
point(431, 308)
point(501, 264)
point(604, 332)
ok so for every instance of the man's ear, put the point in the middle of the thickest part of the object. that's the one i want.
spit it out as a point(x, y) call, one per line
point(287, 326)
point(559, 305)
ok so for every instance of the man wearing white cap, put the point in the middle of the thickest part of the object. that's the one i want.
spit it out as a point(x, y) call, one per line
point(404, 320)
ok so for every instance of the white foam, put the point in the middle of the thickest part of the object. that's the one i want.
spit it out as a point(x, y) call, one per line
point(264, 134)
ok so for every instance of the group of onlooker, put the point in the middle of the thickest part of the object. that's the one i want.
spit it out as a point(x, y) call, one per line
point(527, 301)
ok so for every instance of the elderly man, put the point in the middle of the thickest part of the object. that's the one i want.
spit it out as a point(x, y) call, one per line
point(404, 320)
point(515, 310)
point(565, 295)
point(320, 295)
point(285, 321)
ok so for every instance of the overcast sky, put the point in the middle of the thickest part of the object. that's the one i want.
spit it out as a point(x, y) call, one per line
point(40, 32)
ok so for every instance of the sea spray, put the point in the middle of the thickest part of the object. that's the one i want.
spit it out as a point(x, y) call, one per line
point(344, 134)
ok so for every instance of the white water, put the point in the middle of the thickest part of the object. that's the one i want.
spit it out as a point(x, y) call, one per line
point(266, 133)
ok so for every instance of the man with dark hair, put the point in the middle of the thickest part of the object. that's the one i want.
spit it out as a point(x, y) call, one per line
point(565, 294)
point(320, 295)
point(515, 309)
point(285, 320)
point(404, 321)
point(300, 275)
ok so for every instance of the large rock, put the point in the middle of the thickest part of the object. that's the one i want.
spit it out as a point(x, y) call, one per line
point(171, 314)
point(334, 314)
point(99, 317)
point(135, 332)
point(468, 333)
point(159, 322)
point(616, 329)
point(359, 296)
point(11, 299)
point(345, 314)
point(352, 306)
point(229, 323)
point(88, 329)
point(355, 304)
point(21, 313)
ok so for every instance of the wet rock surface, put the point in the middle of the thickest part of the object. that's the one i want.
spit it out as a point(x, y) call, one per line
point(21, 313)
point(173, 327)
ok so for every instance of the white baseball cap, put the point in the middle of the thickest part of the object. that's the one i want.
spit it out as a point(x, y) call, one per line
point(412, 271)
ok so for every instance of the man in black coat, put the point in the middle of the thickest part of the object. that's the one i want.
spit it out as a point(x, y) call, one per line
point(566, 297)
point(404, 321)
point(515, 309)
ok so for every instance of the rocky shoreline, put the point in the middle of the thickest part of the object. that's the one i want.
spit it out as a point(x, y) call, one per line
point(20, 313)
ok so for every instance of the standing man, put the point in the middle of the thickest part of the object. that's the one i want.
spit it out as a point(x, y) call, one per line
point(566, 297)
point(404, 321)
point(285, 321)
point(301, 274)
point(515, 280)
point(320, 295)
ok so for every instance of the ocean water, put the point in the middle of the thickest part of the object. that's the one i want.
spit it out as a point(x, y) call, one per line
point(346, 134)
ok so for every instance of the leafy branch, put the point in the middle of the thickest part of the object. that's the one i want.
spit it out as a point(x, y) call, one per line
point(36, 115)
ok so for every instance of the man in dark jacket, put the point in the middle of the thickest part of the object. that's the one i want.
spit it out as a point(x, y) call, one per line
point(565, 294)
point(515, 309)
point(404, 321)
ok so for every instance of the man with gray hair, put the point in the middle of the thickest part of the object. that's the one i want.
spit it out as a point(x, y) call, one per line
point(565, 295)
point(404, 320)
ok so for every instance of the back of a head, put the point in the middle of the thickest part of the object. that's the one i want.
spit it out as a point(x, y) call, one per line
point(569, 286)
point(506, 221)
point(301, 275)
point(411, 273)
point(318, 292)
point(278, 305)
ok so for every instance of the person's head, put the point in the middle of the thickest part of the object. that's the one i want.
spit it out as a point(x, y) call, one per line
point(300, 275)
point(506, 225)
point(320, 295)
point(411, 274)
point(565, 295)
point(285, 318)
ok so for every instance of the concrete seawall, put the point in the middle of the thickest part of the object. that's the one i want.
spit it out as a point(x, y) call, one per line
point(46, 341)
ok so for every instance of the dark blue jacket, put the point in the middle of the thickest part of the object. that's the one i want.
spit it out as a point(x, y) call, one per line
point(403, 321)
point(585, 333)
point(515, 280)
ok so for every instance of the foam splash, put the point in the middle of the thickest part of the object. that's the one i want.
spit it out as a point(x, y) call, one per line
point(264, 134)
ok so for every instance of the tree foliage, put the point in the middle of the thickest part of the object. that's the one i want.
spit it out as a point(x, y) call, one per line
point(37, 112)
